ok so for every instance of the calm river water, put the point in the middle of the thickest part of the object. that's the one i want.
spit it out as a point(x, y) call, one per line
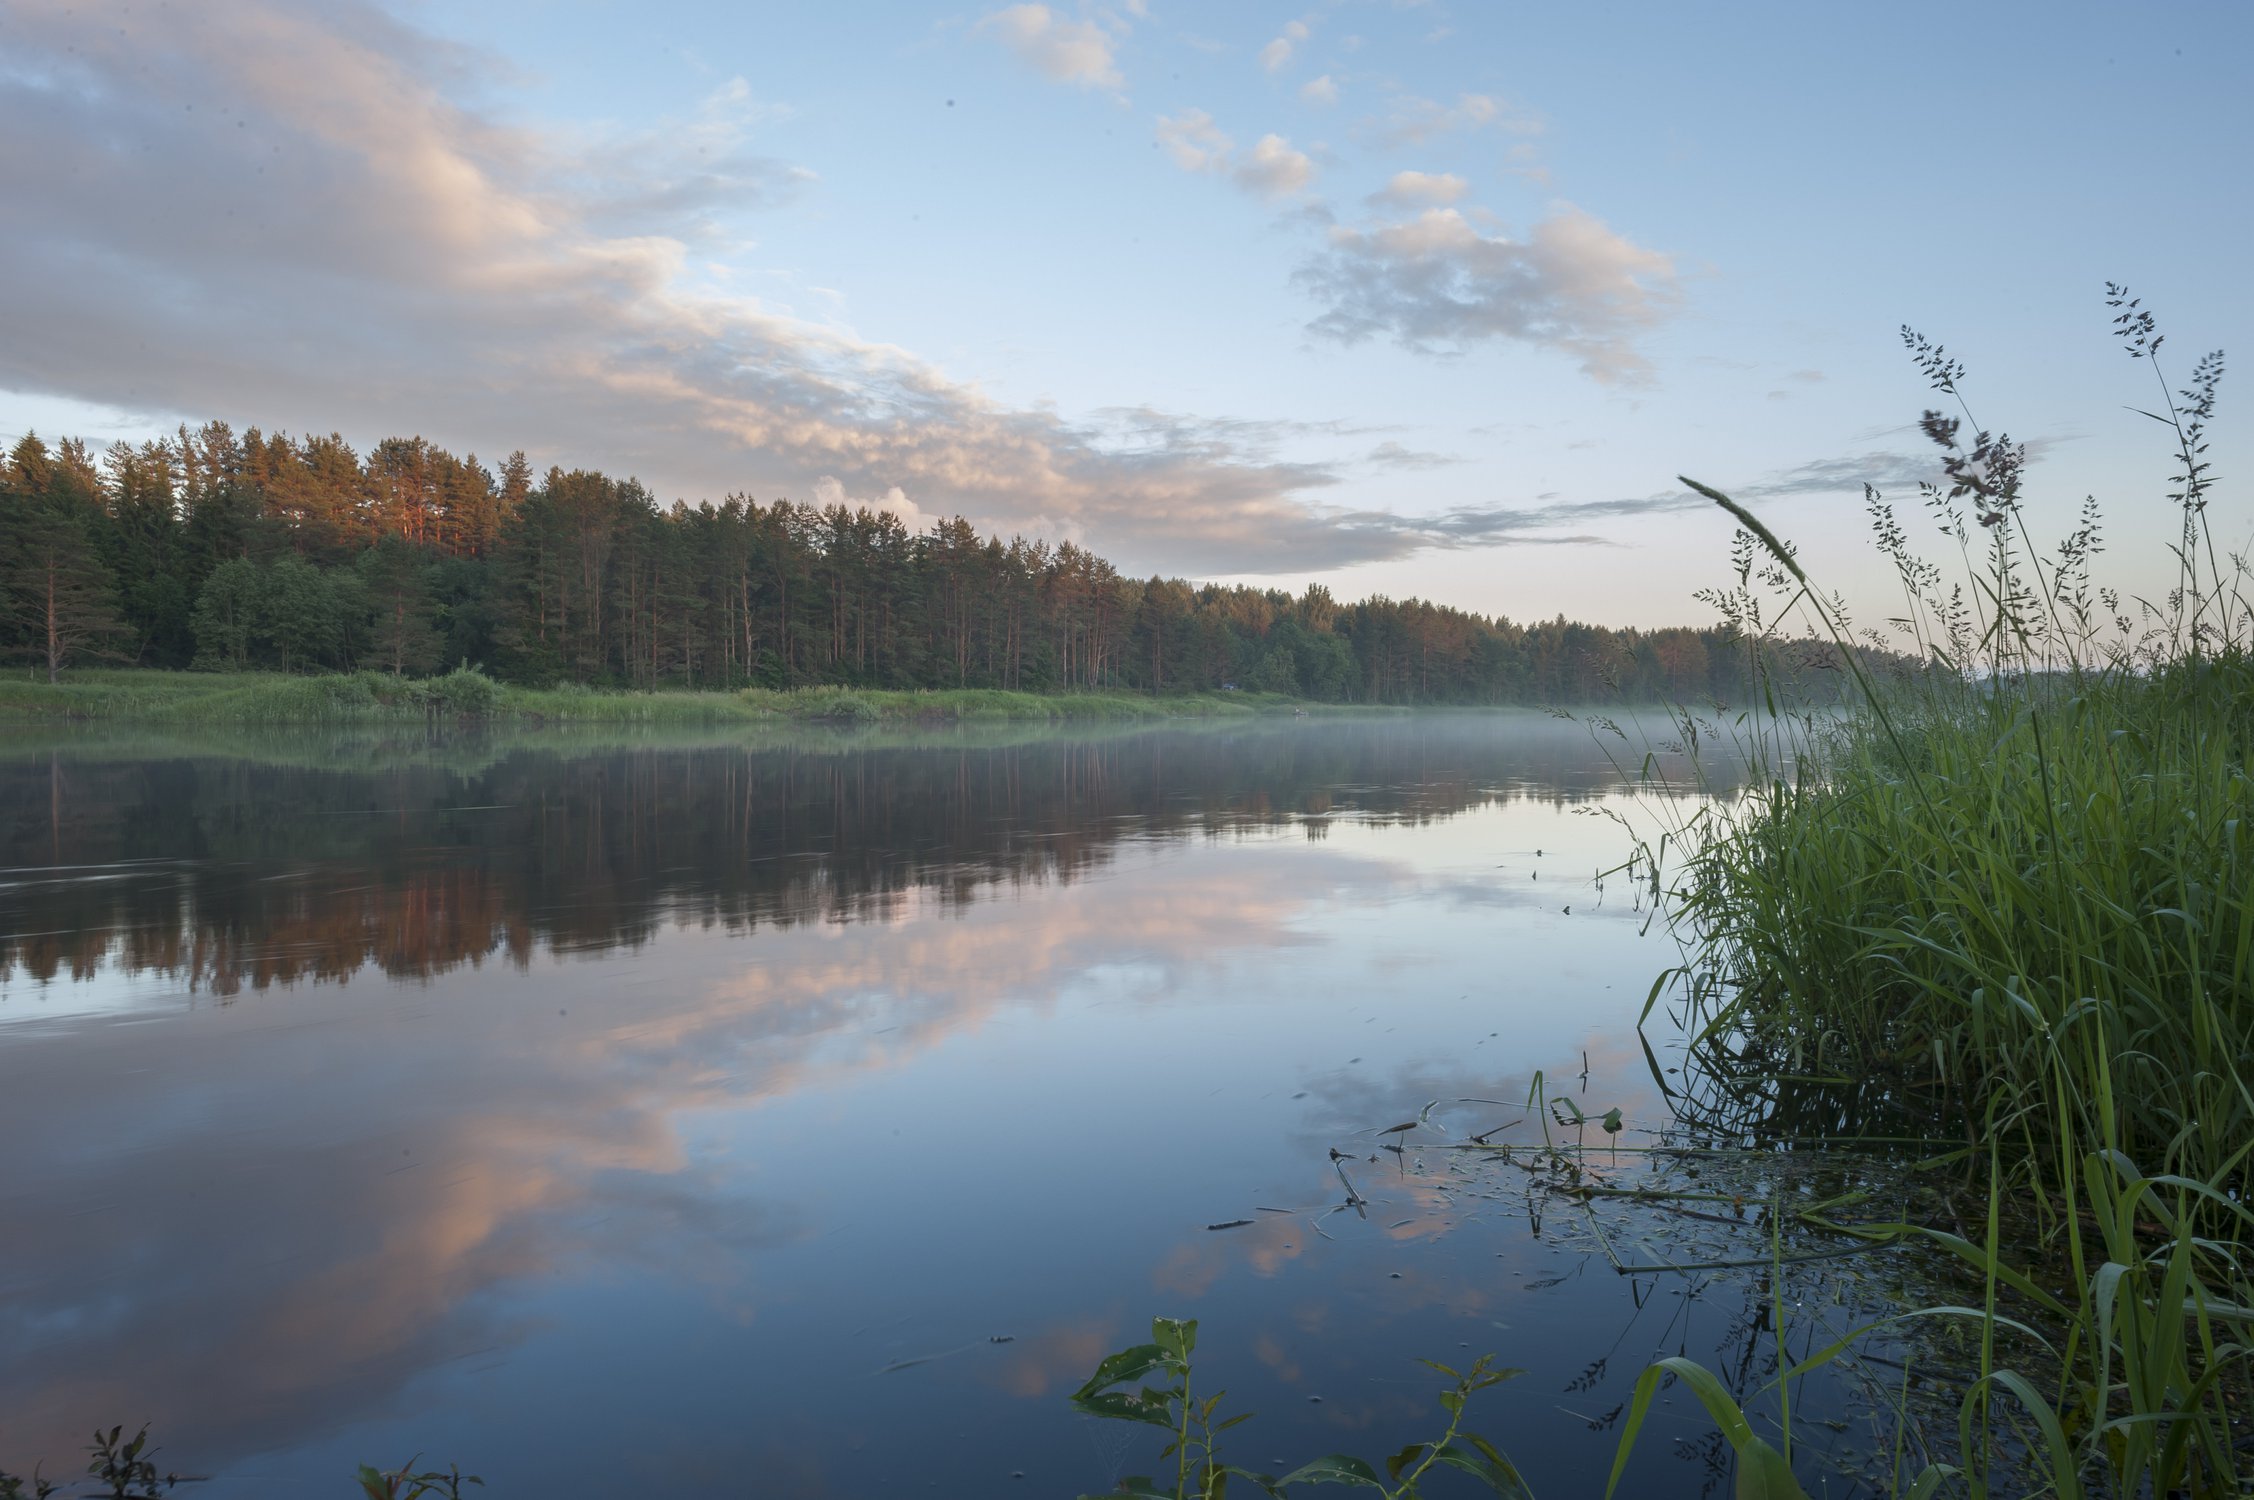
point(807, 1117)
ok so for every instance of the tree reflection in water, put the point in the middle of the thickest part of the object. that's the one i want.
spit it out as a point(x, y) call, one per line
point(232, 873)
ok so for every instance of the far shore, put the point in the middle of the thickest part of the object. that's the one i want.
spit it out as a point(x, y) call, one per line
point(151, 696)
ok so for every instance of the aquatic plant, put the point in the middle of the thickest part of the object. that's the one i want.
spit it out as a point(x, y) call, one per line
point(126, 1469)
point(1117, 1392)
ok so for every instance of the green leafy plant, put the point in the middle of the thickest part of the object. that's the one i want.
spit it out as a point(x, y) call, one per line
point(126, 1469)
point(16, 1487)
point(126, 1465)
point(1153, 1384)
point(403, 1483)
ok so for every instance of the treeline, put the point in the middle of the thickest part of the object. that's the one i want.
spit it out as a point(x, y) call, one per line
point(218, 550)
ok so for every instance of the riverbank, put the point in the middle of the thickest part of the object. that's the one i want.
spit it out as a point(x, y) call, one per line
point(132, 695)
point(2006, 916)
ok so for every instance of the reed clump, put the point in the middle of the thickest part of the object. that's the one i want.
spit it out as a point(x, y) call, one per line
point(2029, 909)
point(2005, 902)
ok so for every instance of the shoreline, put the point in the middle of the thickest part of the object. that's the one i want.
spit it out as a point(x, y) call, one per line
point(155, 696)
point(159, 697)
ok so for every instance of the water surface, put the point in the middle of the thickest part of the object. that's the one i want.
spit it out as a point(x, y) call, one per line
point(809, 1116)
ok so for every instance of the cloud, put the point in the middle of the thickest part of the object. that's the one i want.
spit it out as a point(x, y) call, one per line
point(1194, 141)
point(1435, 283)
point(1413, 120)
point(1077, 52)
point(1522, 160)
point(1319, 91)
point(1273, 168)
point(343, 243)
point(1146, 427)
point(1846, 474)
point(1413, 189)
point(1390, 455)
point(829, 491)
point(1278, 52)
point(682, 177)
point(1800, 378)
point(1494, 525)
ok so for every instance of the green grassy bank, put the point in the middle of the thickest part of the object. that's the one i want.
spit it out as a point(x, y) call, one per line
point(216, 698)
point(2025, 908)
point(2003, 910)
point(2015, 916)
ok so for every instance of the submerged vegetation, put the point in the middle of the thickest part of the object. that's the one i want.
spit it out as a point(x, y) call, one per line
point(125, 1469)
point(1171, 1401)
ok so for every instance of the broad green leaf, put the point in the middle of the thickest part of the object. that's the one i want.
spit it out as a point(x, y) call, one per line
point(1124, 1408)
point(2055, 1447)
point(1336, 1468)
point(1715, 1397)
point(1929, 1481)
point(1176, 1336)
point(1484, 1462)
point(1267, 1482)
point(1762, 1474)
point(1126, 1365)
point(1496, 1375)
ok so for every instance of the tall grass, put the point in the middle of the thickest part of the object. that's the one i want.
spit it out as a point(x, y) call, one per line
point(2041, 892)
point(2007, 898)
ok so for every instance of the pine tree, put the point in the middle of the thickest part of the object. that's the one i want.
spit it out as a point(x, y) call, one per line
point(401, 636)
point(62, 597)
point(141, 547)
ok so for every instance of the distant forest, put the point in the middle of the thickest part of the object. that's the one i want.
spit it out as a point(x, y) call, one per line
point(214, 550)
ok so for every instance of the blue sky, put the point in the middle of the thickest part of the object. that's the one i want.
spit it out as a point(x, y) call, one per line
point(1414, 298)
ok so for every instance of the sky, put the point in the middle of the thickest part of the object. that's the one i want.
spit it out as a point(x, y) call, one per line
point(1407, 298)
